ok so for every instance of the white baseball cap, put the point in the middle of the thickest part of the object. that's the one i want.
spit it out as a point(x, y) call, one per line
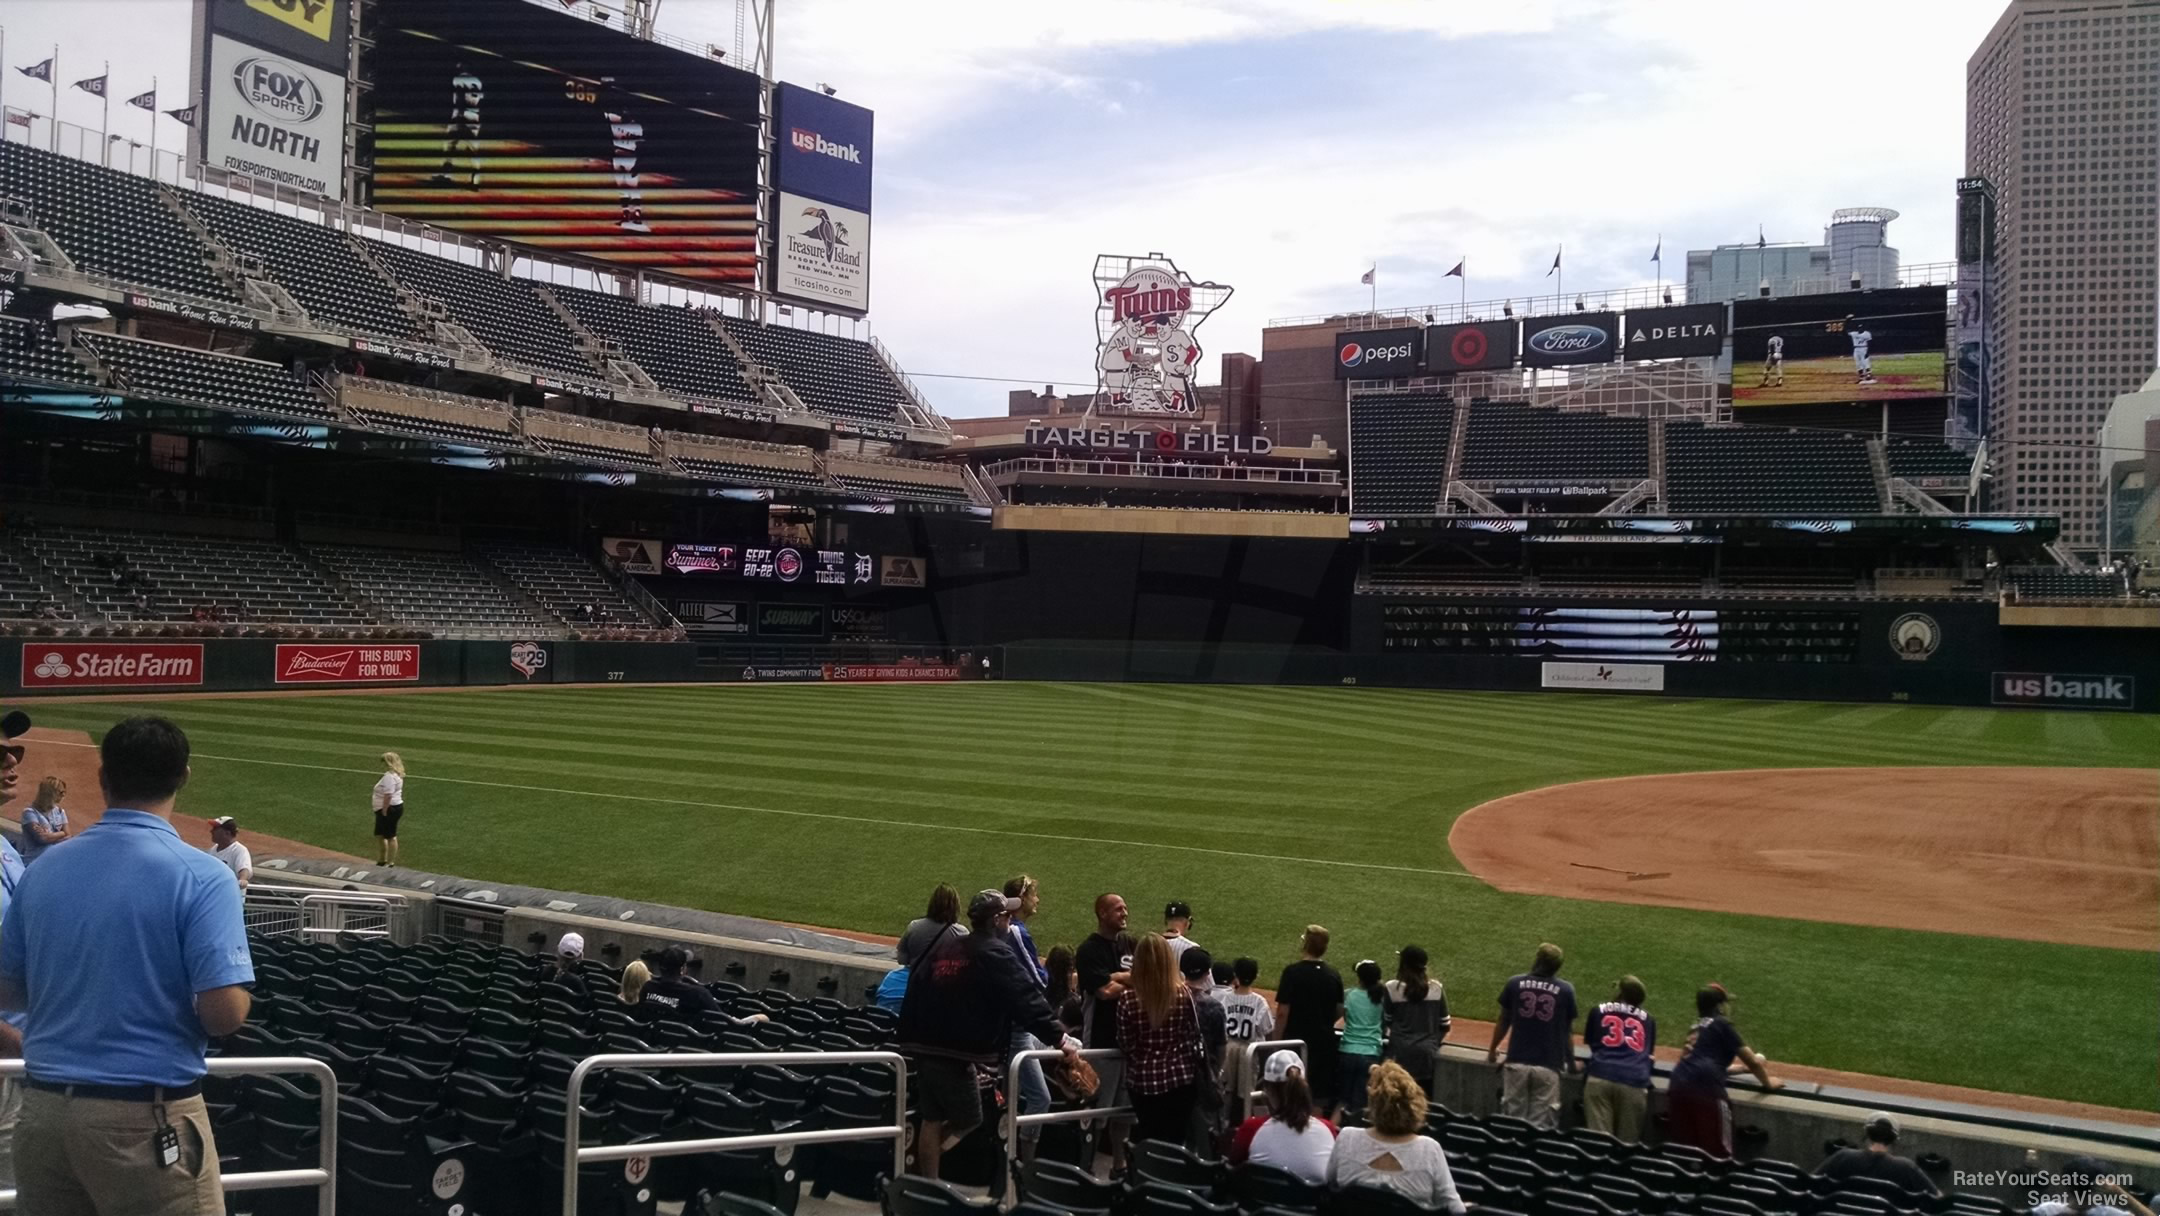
point(1278, 1066)
point(572, 945)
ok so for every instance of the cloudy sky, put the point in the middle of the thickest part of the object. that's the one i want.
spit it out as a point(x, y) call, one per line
point(1282, 146)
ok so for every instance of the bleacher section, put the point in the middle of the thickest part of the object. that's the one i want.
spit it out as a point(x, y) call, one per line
point(590, 439)
point(433, 590)
point(1760, 471)
point(30, 350)
point(504, 314)
point(312, 263)
point(454, 1050)
point(743, 461)
point(446, 417)
point(840, 377)
point(110, 223)
point(252, 581)
point(1510, 442)
point(1913, 459)
point(2056, 583)
point(181, 373)
point(1399, 452)
point(677, 347)
point(565, 583)
point(22, 594)
point(921, 480)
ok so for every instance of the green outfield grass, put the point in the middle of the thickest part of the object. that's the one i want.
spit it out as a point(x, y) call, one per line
point(1831, 378)
point(1265, 807)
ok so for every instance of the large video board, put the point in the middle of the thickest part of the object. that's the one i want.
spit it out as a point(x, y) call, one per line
point(507, 120)
point(1882, 345)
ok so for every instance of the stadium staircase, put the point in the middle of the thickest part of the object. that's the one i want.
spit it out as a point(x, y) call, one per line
point(1657, 469)
point(244, 275)
point(25, 583)
point(1879, 468)
point(605, 353)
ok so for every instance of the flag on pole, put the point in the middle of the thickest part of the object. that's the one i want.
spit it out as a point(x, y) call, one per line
point(20, 118)
point(95, 86)
point(1658, 254)
point(145, 101)
point(185, 115)
point(1367, 278)
point(1759, 241)
point(1457, 273)
point(1555, 264)
point(39, 71)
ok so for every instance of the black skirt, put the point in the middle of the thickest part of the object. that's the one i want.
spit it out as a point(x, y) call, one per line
point(386, 821)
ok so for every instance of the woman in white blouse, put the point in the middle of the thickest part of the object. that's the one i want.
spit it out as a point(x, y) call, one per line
point(389, 801)
point(1393, 1152)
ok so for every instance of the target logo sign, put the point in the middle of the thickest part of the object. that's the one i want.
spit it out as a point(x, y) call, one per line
point(1471, 347)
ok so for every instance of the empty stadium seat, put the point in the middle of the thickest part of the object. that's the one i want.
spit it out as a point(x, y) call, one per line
point(1917, 458)
point(1755, 470)
point(564, 582)
point(110, 223)
point(186, 374)
point(315, 265)
point(436, 590)
point(677, 347)
point(1399, 452)
point(1508, 441)
point(840, 377)
point(252, 581)
point(506, 315)
point(29, 350)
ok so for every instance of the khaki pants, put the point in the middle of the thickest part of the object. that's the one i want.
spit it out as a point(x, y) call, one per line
point(93, 1157)
point(1530, 1093)
point(1609, 1106)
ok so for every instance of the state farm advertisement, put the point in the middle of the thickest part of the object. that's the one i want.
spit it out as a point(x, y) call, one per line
point(71, 664)
point(347, 664)
point(896, 671)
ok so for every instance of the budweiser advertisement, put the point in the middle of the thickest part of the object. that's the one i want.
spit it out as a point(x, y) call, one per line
point(347, 664)
point(70, 664)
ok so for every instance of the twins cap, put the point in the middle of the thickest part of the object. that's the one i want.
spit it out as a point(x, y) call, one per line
point(572, 945)
point(1278, 1066)
point(990, 902)
point(225, 821)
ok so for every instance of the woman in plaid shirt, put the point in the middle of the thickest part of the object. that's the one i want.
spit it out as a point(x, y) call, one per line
point(1158, 1029)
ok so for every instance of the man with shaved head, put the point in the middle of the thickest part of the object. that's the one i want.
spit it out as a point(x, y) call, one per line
point(1102, 969)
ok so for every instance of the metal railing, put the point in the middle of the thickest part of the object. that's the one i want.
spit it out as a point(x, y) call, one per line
point(1248, 1069)
point(323, 1178)
point(575, 1154)
point(311, 912)
point(1158, 470)
point(1014, 1120)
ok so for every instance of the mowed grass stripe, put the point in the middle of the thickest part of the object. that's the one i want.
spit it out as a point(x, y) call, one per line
point(1239, 769)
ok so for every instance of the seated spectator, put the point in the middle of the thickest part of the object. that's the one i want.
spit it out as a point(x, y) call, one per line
point(892, 990)
point(2082, 1177)
point(569, 952)
point(672, 995)
point(1290, 1137)
point(634, 978)
point(1393, 1152)
point(44, 821)
point(1875, 1160)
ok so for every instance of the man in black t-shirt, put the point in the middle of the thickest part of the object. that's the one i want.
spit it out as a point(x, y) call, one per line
point(1876, 1160)
point(1308, 1000)
point(1102, 967)
point(672, 995)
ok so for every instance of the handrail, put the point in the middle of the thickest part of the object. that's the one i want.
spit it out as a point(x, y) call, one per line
point(575, 1155)
point(1014, 1119)
point(1248, 1068)
point(323, 1177)
point(1157, 469)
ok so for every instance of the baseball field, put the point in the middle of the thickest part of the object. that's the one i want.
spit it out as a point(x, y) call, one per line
point(1968, 899)
point(1831, 378)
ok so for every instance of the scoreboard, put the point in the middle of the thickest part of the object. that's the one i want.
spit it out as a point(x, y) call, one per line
point(511, 121)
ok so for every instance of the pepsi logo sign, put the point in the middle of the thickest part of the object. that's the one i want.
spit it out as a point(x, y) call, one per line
point(1353, 354)
point(1568, 340)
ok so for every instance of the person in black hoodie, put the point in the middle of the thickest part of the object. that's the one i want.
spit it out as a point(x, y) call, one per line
point(964, 996)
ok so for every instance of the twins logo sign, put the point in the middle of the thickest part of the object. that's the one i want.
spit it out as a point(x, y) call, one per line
point(1147, 311)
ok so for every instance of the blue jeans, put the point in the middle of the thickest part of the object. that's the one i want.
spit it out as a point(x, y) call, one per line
point(1034, 1095)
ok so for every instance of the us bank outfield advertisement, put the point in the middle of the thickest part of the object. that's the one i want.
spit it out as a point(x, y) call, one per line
point(1885, 345)
point(274, 119)
point(822, 166)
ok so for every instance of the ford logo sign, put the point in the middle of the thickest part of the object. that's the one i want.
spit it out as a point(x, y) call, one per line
point(1568, 340)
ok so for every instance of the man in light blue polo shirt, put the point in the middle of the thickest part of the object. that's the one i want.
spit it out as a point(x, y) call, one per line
point(11, 1027)
point(127, 949)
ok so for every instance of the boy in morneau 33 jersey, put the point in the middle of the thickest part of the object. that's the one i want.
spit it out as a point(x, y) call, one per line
point(1621, 1038)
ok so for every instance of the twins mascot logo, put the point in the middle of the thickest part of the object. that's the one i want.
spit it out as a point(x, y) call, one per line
point(1147, 311)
